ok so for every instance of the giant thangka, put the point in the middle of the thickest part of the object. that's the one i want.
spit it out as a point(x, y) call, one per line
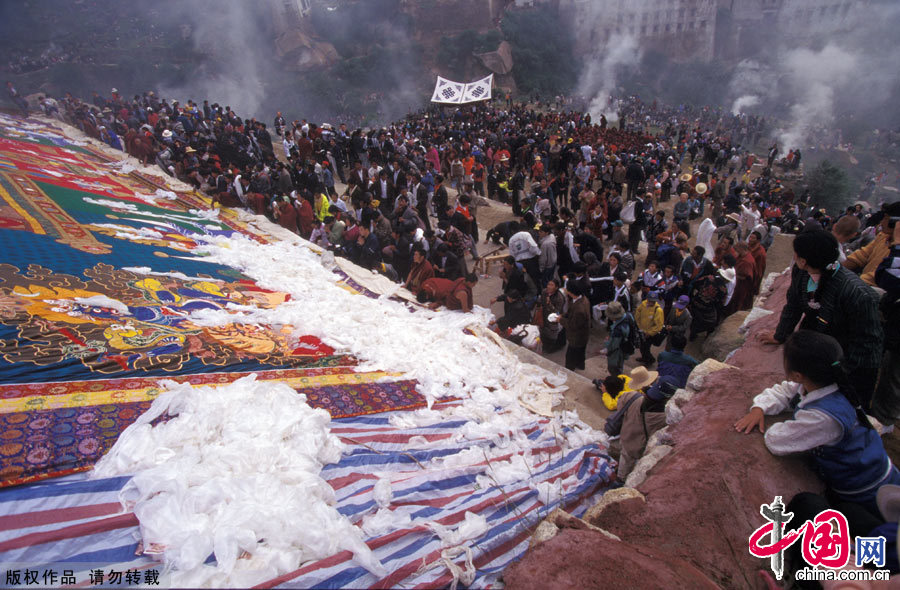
point(449, 92)
point(198, 391)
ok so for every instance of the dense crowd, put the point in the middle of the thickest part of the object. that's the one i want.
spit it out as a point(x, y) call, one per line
point(25, 63)
point(413, 189)
point(593, 246)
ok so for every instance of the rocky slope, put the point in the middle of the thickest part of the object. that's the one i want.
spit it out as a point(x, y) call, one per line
point(700, 502)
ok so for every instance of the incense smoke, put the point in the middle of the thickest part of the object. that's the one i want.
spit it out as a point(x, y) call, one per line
point(604, 69)
point(750, 82)
point(814, 77)
point(841, 76)
point(236, 42)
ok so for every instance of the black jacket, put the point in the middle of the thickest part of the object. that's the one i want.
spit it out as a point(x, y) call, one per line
point(844, 307)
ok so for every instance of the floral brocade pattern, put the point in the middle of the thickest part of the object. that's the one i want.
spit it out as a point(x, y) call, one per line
point(46, 443)
point(344, 401)
point(41, 443)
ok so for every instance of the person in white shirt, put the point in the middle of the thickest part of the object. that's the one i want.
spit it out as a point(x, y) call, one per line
point(586, 152)
point(374, 170)
point(338, 202)
point(288, 144)
point(526, 251)
point(582, 172)
point(846, 451)
point(320, 232)
point(750, 217)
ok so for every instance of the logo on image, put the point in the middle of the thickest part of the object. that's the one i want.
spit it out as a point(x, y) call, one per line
point(824, 541)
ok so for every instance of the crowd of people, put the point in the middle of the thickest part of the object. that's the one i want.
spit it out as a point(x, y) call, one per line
point(599, 244)
point(589, 201)
point(23, 63)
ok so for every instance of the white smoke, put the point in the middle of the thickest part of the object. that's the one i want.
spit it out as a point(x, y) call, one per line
point(748, 84)
point(239, 56)
point(603, 71)
point(744, 102)
point(814, 77)
point(811, 84)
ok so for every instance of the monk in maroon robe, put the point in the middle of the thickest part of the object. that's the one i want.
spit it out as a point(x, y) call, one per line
point(286, 214)
point(745, 270)
point(305, 217)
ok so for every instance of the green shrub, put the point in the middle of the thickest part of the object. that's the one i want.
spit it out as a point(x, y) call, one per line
point(542, 51)
point(829, 186)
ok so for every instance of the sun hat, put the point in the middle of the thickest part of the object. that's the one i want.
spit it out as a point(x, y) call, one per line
point(640, 376)
point(615, 311)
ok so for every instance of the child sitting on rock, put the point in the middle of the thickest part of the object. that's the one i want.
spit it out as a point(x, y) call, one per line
point(847, 453)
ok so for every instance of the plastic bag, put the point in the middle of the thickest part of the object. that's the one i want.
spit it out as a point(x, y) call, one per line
point(627, 214)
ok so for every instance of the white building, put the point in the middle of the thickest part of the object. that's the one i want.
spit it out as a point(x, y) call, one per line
point(288, 13)
point(683, 29)
point(746, 27)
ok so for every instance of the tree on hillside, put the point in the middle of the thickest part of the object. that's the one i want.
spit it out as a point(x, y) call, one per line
point(454, 52)
point(829, 186)
point(543, 59)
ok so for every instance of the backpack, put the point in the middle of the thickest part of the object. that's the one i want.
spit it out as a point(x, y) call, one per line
point(631, 342)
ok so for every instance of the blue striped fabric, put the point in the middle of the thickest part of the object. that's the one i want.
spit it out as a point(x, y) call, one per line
point(92, 530)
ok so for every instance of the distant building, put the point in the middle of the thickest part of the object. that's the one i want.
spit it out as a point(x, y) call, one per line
point(289, 13)
point(682, 29)
point(747, 27)
point(297, 46)
point(703, 29)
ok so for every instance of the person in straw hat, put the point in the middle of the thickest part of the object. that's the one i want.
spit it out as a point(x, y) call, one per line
point(641, 378)
point(640, 414)
point(698, 202)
